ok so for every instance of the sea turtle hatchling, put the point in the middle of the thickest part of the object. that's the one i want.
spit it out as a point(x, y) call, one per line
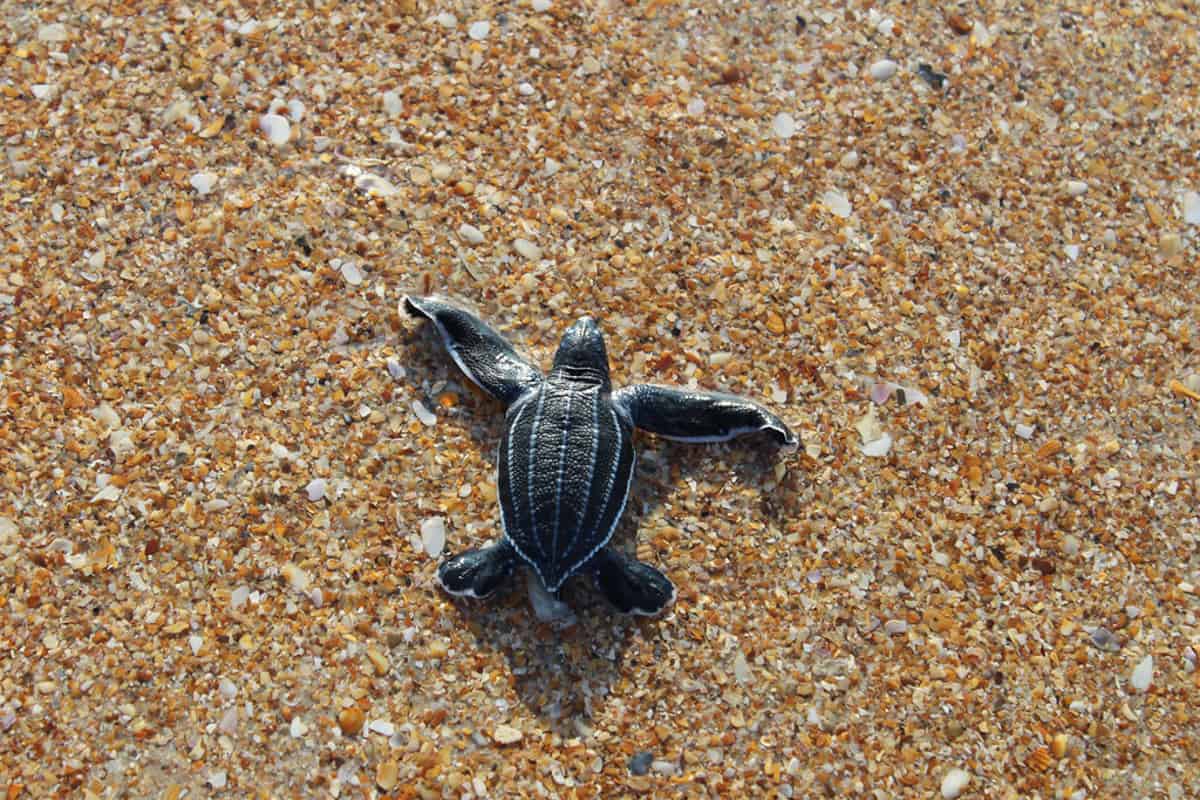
point(566, 461)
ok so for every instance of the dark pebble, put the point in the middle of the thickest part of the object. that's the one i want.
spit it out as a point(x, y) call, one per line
point(935, 79)
point(639, 764)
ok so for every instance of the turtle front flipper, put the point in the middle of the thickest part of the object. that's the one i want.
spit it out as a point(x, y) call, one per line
point(486, 357)
point(632, 586)
point(698, 416)
point(478, 573)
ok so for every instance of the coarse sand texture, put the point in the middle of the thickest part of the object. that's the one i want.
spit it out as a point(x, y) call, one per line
point(954, 245)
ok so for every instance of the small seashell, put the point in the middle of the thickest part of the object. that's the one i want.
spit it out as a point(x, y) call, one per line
point(109, 494)
point(1191, 208)
point(426, 416)
point(53, 33)
point(387, 774)
point(350, 720)
point(433, 536)
point(741, 669)
point(229, 721)
point(527, 249)
point(506, 734)
point(1142, 675)
point(1104, 639)
point(276, 128)
point(1058, 745)
point(878, 448)
point(374, 185)
point(837, 203)
point(297, 578)
point(351, 273)
point(1039, 760)
point(392, 104)
point(883, 69)
point(382, 727)
point(470, 234)
point(880, 392)
point(783, 126)
point(955, 781)
point(203, 182)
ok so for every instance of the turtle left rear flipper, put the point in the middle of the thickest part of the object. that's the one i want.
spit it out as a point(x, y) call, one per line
point(480, 351)
point(632, 586)
point(478, 573)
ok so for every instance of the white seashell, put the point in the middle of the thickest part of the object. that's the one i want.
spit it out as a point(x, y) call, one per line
point(203, 182)
point(784, 126)
point(884, 69)
point(276, 128)
point(433, 536)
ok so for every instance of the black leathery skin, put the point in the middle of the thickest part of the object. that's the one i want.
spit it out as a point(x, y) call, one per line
point(478, 573)
point(565, 466)
point(566, 460)
point(486, 357)
point(698, 416)
point(630, 585)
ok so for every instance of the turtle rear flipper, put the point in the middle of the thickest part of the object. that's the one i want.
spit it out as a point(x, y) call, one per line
point(632, 586)
point(477, 573)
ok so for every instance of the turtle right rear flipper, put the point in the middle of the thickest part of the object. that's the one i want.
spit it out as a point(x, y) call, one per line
point(630, 585)
point(477, 573)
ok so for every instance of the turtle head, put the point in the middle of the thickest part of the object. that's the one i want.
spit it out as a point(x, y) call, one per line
point(581, 354)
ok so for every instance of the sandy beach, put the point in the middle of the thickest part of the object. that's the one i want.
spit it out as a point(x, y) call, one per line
point(954, 246)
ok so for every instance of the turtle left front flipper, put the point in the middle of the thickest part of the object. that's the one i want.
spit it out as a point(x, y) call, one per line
point(486, 357)
point(478, 573)
point(632, 586)
point(693, 416)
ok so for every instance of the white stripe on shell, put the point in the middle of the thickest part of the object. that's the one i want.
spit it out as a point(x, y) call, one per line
point(616, 468)
point(607, 494)
point(517, 521)
point(559, 469)
point(512, 500)
point(533, 436)
point(583, 507)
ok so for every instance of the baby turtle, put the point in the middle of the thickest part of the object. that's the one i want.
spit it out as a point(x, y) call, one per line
point(566, 460)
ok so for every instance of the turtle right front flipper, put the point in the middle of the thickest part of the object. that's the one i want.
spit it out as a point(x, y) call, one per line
point(696, 416)
point(486, 357)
